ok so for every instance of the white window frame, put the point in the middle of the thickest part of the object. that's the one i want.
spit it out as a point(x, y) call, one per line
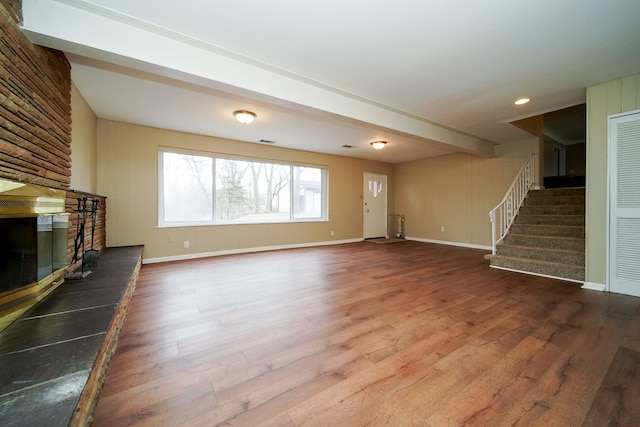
point(324, 216)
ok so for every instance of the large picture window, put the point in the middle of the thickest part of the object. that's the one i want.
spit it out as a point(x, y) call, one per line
point(200, 189)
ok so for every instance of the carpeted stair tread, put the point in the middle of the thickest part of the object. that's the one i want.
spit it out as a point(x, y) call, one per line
point(554, 200)
point(574, 220)
point(542, 254)
point(551, 210)
point(550, 242)
point(547, 268)
point(548, 230)
point(558, 192)
point(547, 236)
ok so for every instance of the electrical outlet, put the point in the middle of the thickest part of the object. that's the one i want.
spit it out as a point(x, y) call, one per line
point(186, 244)
point(442, 228)
point(332, 233)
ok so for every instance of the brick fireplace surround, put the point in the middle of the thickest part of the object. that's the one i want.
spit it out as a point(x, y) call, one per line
point(35, 149)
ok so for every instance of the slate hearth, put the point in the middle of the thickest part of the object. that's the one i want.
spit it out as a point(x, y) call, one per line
point(48, 355)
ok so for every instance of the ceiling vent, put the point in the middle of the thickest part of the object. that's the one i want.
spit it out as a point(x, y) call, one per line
point(348, 146)
point(267, 141)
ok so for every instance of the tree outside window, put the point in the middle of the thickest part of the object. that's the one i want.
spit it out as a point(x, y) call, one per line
point(203, 189)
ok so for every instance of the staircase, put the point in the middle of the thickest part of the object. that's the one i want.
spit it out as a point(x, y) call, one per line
point(547, 236)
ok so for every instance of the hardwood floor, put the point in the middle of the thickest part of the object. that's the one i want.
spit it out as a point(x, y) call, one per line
point(404, 334)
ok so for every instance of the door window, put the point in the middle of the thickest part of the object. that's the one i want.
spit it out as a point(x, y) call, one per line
point(375, 187)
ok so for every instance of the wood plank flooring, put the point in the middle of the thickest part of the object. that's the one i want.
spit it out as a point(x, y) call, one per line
point(406, 334)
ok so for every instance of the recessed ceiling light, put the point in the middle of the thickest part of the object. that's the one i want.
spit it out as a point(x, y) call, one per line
point(522, 101)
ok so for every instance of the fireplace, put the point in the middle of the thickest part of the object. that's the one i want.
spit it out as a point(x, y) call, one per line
point(33, 245)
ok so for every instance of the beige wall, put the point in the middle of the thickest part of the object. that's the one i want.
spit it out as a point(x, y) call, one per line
point(457, 191)
point(603, 100)
point(83, 144)
point(128, 176)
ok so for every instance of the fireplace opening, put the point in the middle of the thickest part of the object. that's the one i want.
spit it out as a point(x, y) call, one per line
point(31, 249)
point(18, 252)
point(33, 246)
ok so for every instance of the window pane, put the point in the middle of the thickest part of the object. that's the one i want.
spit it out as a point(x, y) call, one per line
point(187, 184)
point(307, 193)
point(202, 189)
point(251, 191)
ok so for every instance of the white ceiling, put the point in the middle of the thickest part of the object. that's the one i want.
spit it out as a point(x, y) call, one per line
point(430, 77)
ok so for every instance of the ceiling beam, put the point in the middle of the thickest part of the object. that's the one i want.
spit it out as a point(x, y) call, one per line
point(82, 28)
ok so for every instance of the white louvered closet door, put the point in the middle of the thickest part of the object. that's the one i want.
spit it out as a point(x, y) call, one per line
point(624, 203)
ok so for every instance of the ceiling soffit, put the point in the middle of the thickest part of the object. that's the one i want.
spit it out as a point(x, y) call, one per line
point(149, 48)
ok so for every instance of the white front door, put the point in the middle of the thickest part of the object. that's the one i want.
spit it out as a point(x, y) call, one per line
point(624, 203)
point(374, 197)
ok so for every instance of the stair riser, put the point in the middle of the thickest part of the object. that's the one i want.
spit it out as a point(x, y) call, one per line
point(557, 192)
point(556, 271)
point(551, 210)
point(569, 244)
point(572, 220)
point(547, 230)
point(571, 258)
point(553, 201)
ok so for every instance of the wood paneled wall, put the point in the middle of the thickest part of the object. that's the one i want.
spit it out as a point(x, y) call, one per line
point(603, 100)
point(35, 111)
point(447, 198)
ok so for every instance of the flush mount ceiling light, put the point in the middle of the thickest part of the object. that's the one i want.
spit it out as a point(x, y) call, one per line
point(522, 101)
point(245, 117)
point(378, 145)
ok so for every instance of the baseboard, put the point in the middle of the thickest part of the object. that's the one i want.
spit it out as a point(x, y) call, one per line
point(245, 250)
point(594, 286)
point(442, 242)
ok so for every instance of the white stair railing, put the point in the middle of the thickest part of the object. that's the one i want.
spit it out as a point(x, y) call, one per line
point(502, 215)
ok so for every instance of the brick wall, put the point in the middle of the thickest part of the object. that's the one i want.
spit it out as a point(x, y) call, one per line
point(35, 117)
point(35, 107)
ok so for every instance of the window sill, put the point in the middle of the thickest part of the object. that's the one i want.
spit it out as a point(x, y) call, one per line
point(222, 224)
